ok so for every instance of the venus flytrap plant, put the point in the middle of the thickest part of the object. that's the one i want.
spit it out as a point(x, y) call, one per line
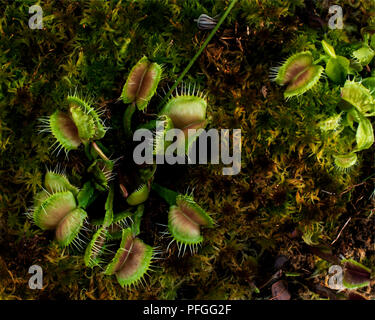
point(365, 53)
point(69, 227)
point(56, 208)
point(300, 73)
point(159, 141)
point(332, 123)
point(87, 119)
point(356, 275)
point(337, 67)
point(62, 206)
point(102, 171)
point(120, 221)
point(187, 110)
point(185, 218)
point(98, 246)
point(361, 106)
point(81, 124)
point(186, 104)
point(86, 195)
point(132, 260)
point(141, 193)
point(51, 210)
point(57, 182)
point(139, 196)
point(345, 161)
point(139, 88)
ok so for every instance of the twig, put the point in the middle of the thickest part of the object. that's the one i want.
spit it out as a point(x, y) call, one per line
point(356, 185)
point(99, 151)
point(338, 236)
point(350, 188)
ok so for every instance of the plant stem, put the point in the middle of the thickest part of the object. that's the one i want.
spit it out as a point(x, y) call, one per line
point(231, 5)
point(127, 119)
point(136, 227)
point(99, 151)
point(167, 194)
point(108, 218)
point(87, 151)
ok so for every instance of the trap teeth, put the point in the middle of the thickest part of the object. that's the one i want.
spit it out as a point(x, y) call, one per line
point(185, 219)
point(298, 73)
point(86, 118)
point(191, 209)
point(56, 182)
point(81, 124)
point(186, 112)
point(53, 209)
point(84, 122)
point(96, 248)
point(40, 197)
point(103, 173)
point(65, 131)
point(182, 228)
point(138, 196)
point(164, 124)
point(69, 227)
point(364, 55)
point(345, 161)
point(358, 96)
point(332, 123)
point(131, 261)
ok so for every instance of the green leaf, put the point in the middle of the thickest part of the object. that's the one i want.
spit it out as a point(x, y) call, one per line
point(328, 49)
point(365, 134)
point(127, 120)
point(337, 69)
point(137, 218)
point(108, 218)
point(86, 195)
point(369, 83)
point(372, 41)
point(168, 195)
